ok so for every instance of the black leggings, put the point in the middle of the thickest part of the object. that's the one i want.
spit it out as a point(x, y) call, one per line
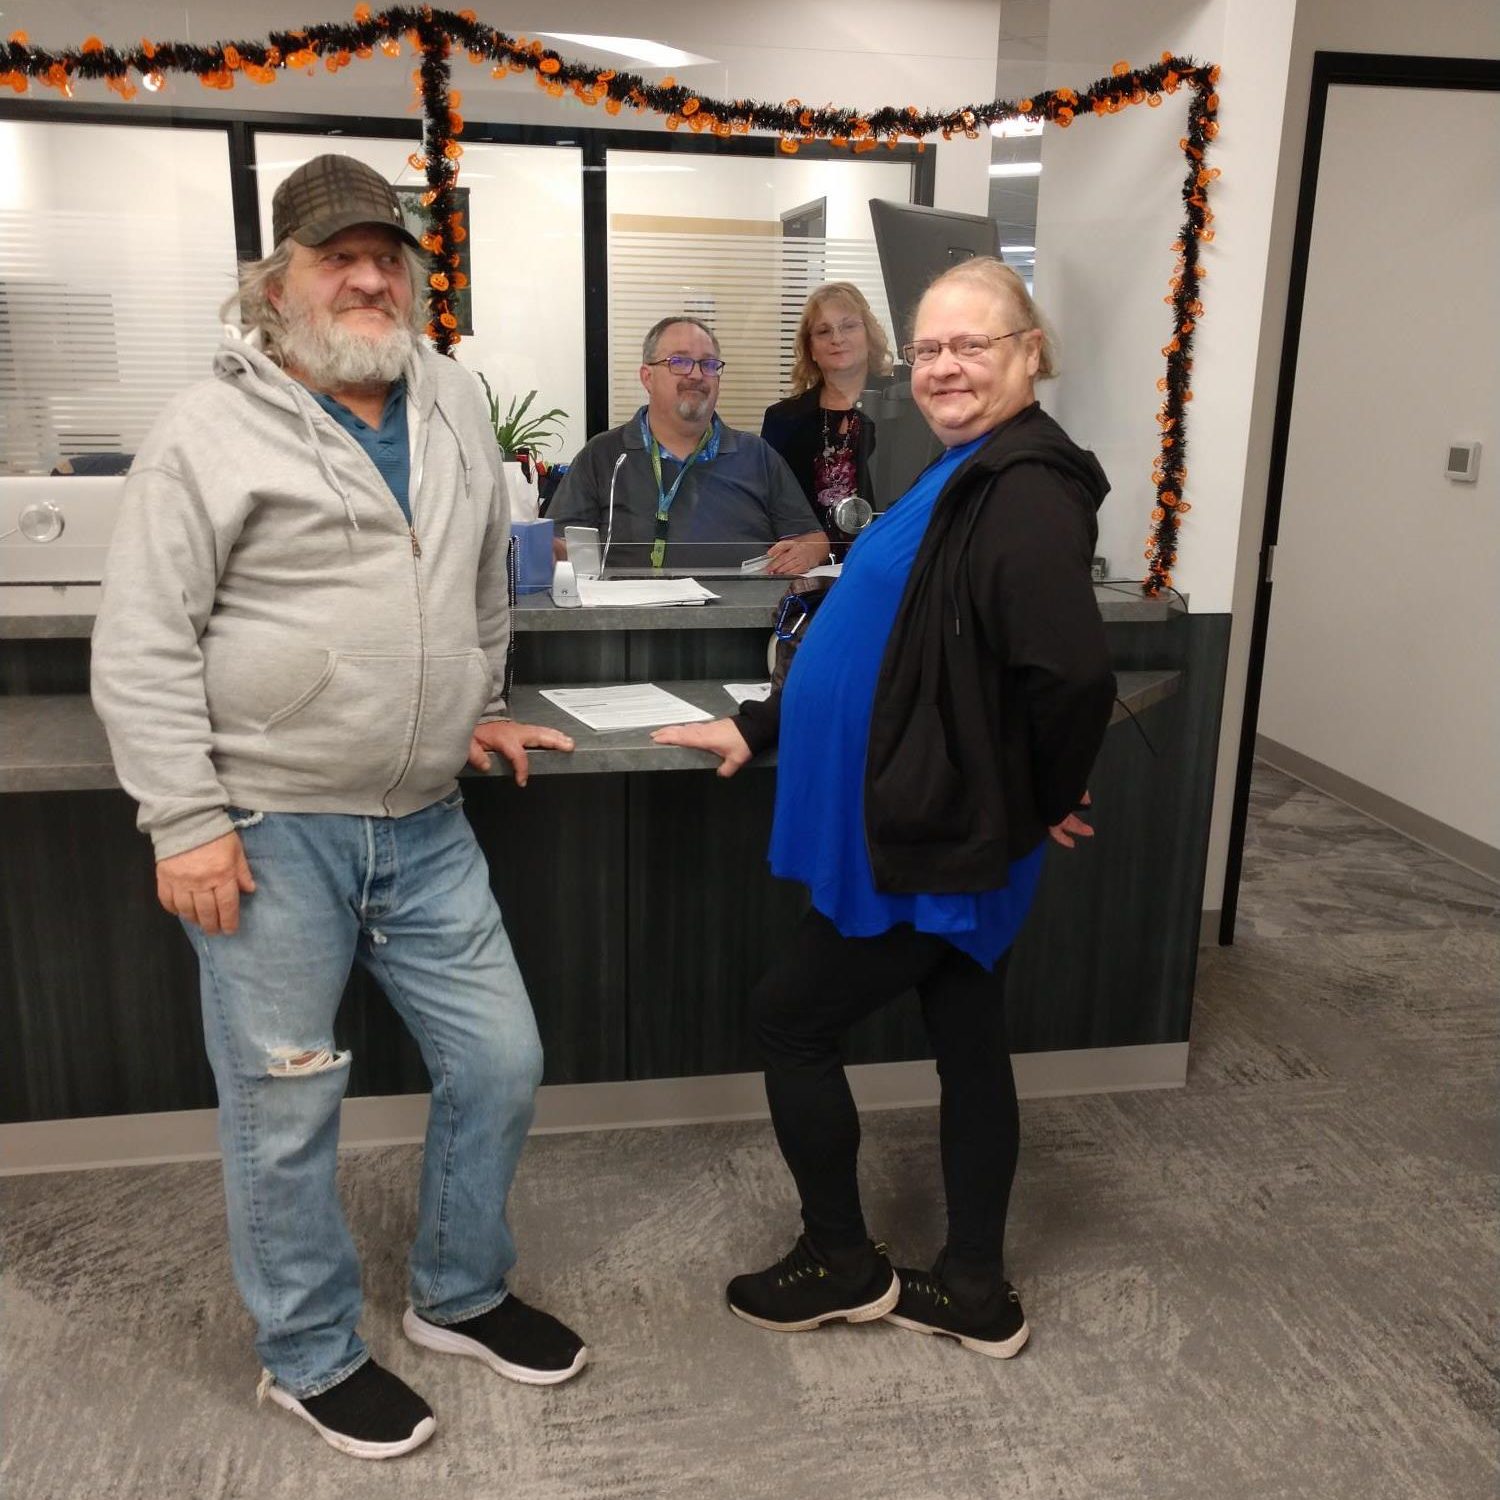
point(821, 985)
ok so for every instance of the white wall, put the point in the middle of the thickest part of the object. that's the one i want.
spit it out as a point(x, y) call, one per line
point(1438, 28)
point(1386, 614)
point(750, 187)
point(1109, 210)
point(1103, 264)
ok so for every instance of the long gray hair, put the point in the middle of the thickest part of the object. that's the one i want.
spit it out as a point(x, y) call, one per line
point(250, 305)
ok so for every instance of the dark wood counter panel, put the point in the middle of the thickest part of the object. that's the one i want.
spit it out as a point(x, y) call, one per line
point(640, 905)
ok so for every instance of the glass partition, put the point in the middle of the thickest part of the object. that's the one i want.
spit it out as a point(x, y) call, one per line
point(116, 250)
point(738, 242)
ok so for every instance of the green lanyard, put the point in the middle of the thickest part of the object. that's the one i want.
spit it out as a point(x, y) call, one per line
point(664, 498)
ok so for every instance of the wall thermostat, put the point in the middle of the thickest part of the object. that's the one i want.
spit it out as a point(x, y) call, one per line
point(1463, 462)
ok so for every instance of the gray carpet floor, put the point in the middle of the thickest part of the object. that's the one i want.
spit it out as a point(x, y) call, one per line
point(1280, 1282)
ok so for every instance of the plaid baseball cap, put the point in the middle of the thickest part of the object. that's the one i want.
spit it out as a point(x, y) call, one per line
point(332, 193)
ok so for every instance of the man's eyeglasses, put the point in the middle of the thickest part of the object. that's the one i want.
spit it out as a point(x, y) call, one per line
point(681, 364)
point(846, 329)
point(963, 345)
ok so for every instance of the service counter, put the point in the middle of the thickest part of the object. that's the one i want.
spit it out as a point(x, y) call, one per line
point(639, 903)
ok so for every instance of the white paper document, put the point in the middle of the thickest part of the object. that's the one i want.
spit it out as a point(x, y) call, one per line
point(748, 692)
point(599, 591)
point(825, 570)
point(633, 705)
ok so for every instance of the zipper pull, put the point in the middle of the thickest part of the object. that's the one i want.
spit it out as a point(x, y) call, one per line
point(416, 546)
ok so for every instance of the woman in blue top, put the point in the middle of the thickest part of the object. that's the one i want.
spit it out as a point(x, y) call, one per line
point(940, 718)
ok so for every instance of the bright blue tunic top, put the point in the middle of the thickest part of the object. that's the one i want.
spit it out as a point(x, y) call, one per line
point(818, 835)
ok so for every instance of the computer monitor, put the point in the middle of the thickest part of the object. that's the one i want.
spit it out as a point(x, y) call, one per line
point(917, 244)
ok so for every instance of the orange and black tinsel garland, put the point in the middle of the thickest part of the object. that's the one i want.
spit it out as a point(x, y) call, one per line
point(431, 34)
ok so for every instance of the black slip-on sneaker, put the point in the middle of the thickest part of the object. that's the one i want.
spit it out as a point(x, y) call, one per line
point(370, 1413)
point(804, 1289)
point(520, 1342)
point(995, 1326)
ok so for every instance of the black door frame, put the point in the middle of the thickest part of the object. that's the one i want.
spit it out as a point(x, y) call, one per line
point(1329, 68)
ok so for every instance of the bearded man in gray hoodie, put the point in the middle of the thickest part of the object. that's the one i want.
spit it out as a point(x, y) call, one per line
point(303, 637)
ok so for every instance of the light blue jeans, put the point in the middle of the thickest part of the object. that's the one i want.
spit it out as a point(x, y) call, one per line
point(410, 899)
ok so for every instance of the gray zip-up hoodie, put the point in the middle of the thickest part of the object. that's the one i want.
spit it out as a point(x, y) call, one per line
point(272, 635)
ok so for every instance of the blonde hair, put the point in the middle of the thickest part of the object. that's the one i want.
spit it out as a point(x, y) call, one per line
point(806, 374)
point(997, 278)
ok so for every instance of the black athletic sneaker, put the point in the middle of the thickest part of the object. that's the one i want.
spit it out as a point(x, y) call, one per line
point(369, 1414)
point(804, 1289)
point(995, 1326)
point(520, 1342)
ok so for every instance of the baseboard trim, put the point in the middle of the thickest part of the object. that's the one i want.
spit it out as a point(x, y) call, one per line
point(1463, 848)
point(401, 1119)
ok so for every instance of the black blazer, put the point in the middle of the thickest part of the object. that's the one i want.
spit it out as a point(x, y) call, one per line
point(794, 428)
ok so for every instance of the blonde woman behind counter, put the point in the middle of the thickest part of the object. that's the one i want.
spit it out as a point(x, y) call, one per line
point(839, 352)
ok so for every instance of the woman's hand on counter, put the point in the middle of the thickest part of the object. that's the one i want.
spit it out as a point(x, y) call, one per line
point(203, 885)
point(512, 740)
point(1072, 827)
point(720, 738)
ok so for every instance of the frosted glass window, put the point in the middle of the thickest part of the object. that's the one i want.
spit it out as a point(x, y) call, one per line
point(526, 249)
point(116, 251)
point(738, 242)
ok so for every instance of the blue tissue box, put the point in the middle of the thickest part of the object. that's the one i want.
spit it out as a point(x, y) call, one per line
point(533, 541)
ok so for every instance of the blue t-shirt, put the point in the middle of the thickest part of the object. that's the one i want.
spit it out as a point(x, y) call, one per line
point(387, 445)
point(818, 835)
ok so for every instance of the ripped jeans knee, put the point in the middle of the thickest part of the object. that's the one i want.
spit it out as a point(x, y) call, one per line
point(294, 1062)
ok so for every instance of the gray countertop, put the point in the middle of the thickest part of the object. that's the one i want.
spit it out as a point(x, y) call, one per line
point(57, 744)
point(51, 612)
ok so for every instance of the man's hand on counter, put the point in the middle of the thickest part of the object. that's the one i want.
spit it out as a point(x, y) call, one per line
point(203, 885)
point(506, 737)
point(721, 737)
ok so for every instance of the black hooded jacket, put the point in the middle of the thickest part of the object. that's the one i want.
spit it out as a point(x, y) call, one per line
point(995, 689)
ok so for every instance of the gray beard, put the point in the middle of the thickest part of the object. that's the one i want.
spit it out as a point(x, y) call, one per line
point(693, 408)
point(331, 357)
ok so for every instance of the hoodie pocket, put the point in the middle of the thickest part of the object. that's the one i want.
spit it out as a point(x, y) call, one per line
point(457, 689)
point(356, 713)
point(249, 687)
point(917, 795)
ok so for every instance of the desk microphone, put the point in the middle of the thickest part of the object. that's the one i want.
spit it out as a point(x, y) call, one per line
point(609, 525)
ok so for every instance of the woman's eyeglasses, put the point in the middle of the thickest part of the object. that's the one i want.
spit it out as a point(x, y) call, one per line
point(847, 329)
point(963, 345)
point(681, 364)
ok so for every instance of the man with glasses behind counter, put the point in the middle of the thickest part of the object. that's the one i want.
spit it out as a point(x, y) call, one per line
point(676, 473)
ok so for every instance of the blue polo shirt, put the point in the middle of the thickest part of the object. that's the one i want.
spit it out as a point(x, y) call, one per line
point(387, 445)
